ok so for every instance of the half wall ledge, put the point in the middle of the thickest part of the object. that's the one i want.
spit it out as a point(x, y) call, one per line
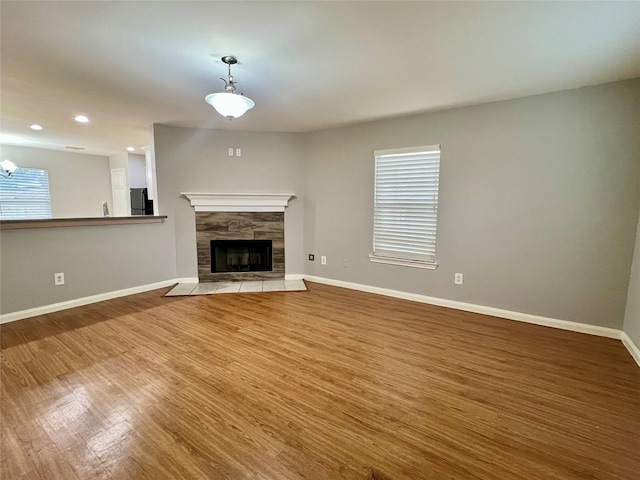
point(79, 222)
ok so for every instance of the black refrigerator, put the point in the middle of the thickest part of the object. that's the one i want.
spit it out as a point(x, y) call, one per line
point(140, 203)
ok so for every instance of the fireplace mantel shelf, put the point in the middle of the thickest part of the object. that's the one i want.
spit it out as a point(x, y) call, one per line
point(238, 202)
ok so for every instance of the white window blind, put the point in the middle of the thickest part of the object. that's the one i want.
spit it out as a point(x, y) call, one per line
point(25, 195)
point(406, 206)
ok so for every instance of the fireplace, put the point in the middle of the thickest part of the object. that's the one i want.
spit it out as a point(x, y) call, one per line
point(253, 221)
point(241, 256)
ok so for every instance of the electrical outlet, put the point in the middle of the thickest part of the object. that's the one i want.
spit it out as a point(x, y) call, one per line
point(323, 260)
point(238, 152)
point(231, 151)
point(345, 262)
point(58, 278)
point(312, 257)
point(457, 279)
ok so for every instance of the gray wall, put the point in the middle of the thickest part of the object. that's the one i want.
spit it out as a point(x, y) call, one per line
point(632, 313)
point(538, 202)
point(538, 208)
point(196, 160)
point(94, 260)
point(78, 182)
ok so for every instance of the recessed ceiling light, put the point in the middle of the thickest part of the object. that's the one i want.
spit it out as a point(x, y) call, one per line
point(35, 126)
point(81, 119)
point(131, 149)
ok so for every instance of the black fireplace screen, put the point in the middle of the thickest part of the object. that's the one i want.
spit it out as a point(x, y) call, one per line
point(241, 256)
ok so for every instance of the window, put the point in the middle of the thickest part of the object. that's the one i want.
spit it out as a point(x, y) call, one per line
point(406, 206)
point(25, 195)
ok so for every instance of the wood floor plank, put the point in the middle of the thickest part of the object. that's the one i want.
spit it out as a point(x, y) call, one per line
point(323, 384)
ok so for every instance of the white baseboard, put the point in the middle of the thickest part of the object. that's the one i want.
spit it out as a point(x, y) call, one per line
point(78, 302)
point(632, 347)
point(470, 307)
point(188, 280)
point(294, 276)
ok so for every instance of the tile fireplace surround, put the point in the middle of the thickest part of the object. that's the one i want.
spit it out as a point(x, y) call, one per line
point(239, 217)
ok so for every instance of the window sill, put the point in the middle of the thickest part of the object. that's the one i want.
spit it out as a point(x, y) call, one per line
point(79, 222)
point(402, 262)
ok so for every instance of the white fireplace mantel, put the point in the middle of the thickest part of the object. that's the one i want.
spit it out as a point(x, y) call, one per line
point(238, 202)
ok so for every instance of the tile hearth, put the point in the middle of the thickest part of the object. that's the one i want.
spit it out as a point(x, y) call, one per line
point(252, 286)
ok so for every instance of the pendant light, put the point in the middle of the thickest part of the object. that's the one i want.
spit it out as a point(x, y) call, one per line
point(229, 103)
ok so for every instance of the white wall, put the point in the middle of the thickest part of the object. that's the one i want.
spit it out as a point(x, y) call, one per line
point(137, 171)
point(632, 313)
point(78, 182)
point(538, 202)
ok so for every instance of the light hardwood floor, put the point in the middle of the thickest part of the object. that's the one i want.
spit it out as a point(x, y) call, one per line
point(324, 384)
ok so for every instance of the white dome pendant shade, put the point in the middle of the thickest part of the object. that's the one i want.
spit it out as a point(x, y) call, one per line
point(229, 103)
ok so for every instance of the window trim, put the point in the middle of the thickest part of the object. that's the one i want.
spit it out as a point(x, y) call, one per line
point(390, 259)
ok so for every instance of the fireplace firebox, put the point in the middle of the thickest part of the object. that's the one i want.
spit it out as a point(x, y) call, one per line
point(241, 256)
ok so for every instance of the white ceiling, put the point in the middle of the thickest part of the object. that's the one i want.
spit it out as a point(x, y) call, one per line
point(307, 65)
